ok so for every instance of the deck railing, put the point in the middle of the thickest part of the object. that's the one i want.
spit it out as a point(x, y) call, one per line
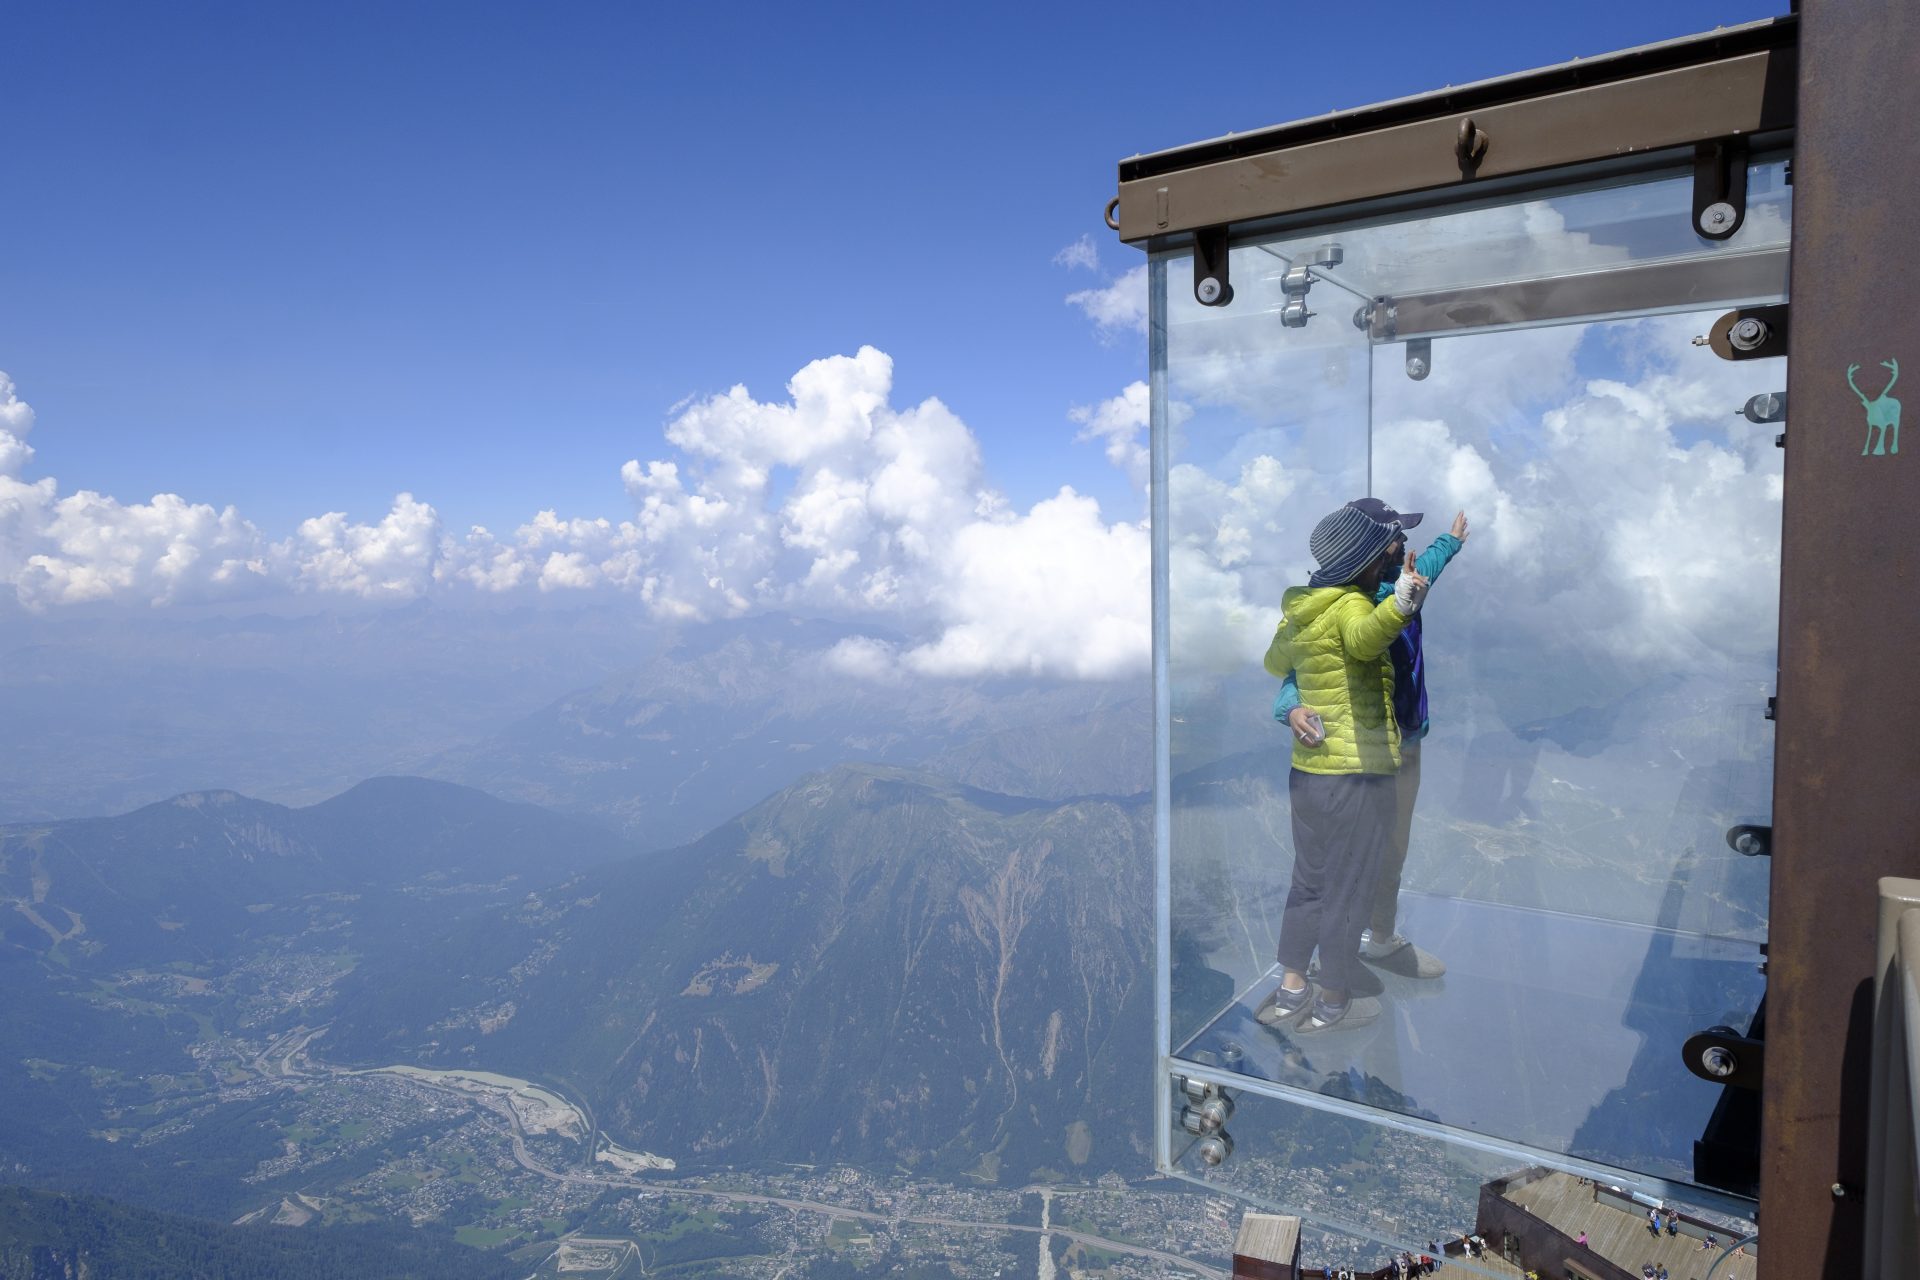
point(1893, 1150)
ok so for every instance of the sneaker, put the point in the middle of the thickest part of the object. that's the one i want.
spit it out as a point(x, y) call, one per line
point(1397, 955)
point(1283, 1006)
point(1357, 1011)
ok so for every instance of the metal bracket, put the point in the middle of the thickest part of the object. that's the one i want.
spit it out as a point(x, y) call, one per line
point(1768, 406)
point(1750, 333)
point(1720, 187)
point(1721, 1055)
point(1210, 285)
point(1419, 358)
point(1377, 319)
point(1754, 841)
point(1299, 278)
point(1204, 1114)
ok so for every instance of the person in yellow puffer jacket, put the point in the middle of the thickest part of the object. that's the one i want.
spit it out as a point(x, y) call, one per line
point(1341, 787)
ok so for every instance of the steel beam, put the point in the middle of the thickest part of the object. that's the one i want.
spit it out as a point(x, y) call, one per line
point(1641, 289)
point(1460, 139)
point(1846, 801)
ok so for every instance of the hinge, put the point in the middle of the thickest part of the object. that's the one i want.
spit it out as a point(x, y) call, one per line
point(1720, 187)
point(1749, 333)
point(1211, 288)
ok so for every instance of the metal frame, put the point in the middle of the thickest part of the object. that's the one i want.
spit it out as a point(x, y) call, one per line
point(1736, 83)
point(1846, 806)
point(1648, 287)
point(1162, 720)
point(1733, 1207)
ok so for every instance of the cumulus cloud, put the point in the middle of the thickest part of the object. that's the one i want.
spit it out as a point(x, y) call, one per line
point(168, 551)
point(16, 420)
point(1120, 425)
point(1118, 308)
point(1080, 254)
point(391, 560)
point(1057, 591)
point(831, 499)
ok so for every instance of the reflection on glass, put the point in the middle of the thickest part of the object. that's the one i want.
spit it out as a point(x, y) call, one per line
point(1370, 1193)
point(1596, 654)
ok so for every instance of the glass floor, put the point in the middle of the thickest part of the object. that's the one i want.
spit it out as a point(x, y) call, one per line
point(1617, 999)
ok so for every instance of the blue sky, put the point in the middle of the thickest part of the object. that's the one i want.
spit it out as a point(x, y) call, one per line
point(301, 258)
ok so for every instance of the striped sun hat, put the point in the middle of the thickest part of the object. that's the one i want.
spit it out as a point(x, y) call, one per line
point(1345, 543)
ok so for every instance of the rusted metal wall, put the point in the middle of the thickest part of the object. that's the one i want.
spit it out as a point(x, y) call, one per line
point(1847, 782)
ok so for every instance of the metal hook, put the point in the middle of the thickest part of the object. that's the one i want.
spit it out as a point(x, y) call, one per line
point(1113, 207)
point(1470, 145)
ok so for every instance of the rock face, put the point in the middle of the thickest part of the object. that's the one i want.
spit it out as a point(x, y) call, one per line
point(874, 965)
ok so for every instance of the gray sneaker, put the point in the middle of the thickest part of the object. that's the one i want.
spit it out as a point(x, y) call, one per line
point(1283, 1006)
point(1358, 1011)
point(1397, 955)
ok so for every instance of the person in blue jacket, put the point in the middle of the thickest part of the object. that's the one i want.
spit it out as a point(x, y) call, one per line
point(1381, 944)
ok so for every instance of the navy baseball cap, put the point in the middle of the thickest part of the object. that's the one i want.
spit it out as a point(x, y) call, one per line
point(1380, 513)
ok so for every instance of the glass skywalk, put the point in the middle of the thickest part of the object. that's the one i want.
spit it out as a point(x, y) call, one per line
point(1598, 656)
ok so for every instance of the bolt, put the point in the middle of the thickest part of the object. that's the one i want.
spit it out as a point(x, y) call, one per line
point(1208, 291)
point(1748, 333)
point(1839, 1191)
point(1417, 368)
point(1747, 842)
point(1716, 218)
point(1719, 1062)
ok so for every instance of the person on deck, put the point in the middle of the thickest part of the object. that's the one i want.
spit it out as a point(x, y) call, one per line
point(1334, 634)
point(1381, 943)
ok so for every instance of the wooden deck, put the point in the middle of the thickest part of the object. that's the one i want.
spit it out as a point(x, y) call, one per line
point(1565, 1202)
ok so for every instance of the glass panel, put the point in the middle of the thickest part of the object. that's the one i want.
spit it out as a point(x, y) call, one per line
point(1568, 232)
point(1368, 1192)
point(1268, 428)
point(1596, 660)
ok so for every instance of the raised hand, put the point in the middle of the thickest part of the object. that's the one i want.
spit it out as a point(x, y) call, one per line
point(1410, 590)
point(1459, 529)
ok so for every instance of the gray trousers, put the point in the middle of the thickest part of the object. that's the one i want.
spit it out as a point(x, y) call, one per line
point(1393, 859)
point(1341, 825)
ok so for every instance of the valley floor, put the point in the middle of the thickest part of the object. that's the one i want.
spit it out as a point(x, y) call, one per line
point(507, 1164)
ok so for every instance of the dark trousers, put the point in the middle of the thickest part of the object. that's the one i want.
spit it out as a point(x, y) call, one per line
point(1341, 823)
point(1393, 859)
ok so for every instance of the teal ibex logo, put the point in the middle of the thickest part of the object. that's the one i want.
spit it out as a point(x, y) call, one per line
point(1883, 411)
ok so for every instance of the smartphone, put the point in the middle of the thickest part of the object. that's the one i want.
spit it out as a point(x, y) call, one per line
point(1316, 730)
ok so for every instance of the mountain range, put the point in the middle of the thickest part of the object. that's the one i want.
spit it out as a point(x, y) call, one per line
point(875, 965)
point(208, 874)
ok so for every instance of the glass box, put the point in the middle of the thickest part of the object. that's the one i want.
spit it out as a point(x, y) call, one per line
point(1597, 657)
